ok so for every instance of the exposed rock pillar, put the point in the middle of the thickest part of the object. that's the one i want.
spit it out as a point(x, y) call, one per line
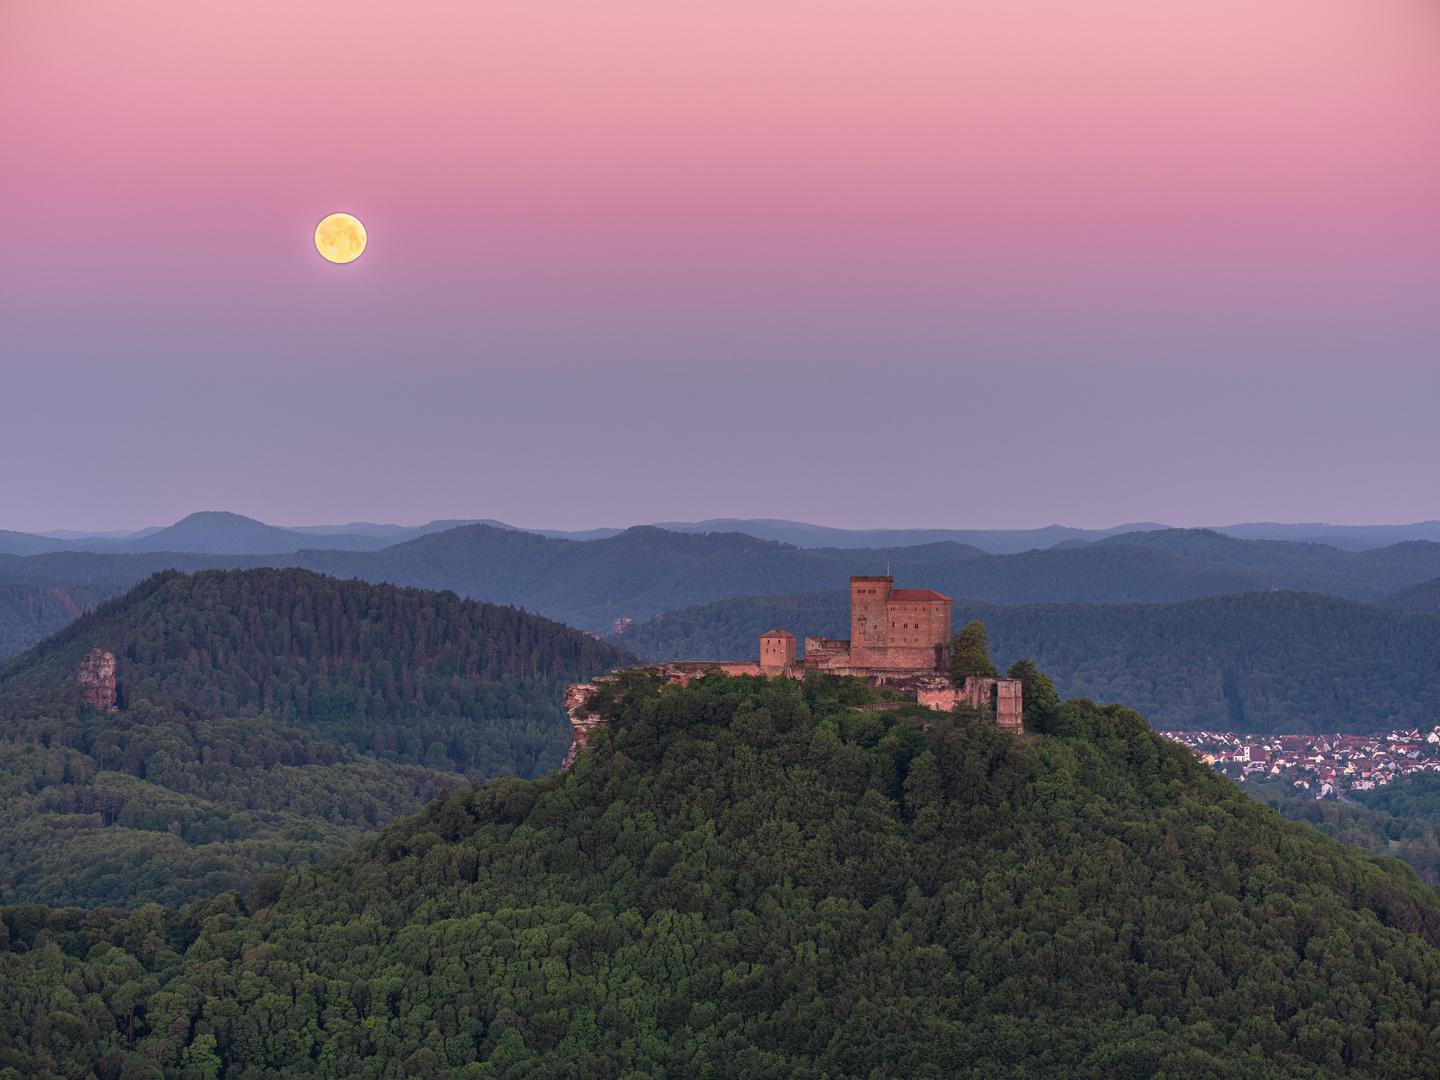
point(96, 679)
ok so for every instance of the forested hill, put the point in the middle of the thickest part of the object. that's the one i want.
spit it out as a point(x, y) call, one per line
point(344, 660)
point(1361, 575)
point(1422, 597)
point(313, 648)
point(588, 584)
point(266, 717)
point(1259, 662)
point(749, 879)
point(34, 606)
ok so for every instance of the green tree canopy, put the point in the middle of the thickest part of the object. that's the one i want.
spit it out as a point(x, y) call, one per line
point(754, 878)
point(970, 653)
point(266, 719)
point(1040, 698)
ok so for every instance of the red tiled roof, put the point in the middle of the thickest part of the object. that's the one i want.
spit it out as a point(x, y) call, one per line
point(778, 633)
point(918, 594)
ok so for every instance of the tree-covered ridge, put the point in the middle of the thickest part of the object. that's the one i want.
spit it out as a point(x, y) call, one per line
point(267, 719)
point(1273, 662)
point(730, 629)
point(1422, 597)
point(345, 660)
point(1267, 662)
point(747, 878)
point(1319, 567)
point(34, 606)
point(646, 570)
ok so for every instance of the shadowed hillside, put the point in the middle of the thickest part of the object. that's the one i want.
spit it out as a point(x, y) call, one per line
point(1422, 597)
point(34, 606)
point(1360, 575)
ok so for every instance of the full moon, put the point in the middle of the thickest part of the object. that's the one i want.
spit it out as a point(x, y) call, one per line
point(340, 238)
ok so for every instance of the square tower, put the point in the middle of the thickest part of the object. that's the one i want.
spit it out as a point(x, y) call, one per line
point(777, 652)
point(869, 620)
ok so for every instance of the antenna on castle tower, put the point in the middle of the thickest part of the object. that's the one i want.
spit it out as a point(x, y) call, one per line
point(887, 562)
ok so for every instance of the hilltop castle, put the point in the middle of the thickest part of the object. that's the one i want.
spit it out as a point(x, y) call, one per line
point(892, 631)
point(899, 638)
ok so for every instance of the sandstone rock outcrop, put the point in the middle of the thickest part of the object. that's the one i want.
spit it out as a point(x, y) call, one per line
point(96, 679)
point(582, 721)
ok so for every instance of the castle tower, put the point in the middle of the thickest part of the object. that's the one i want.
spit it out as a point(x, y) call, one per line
point(777, 652)
point(898, 629)
point(869, 620)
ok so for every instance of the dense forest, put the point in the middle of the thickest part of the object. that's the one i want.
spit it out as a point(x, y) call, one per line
point(730, 629)
point(646, 571)
point(1422, 597)
point(160, 806)
point(1269, 662)
point(266, 718)
point(344, 660)
point(744, 878)
point(34, 606)
point(1400, 819)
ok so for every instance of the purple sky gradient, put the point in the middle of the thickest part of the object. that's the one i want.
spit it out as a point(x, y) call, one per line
point(975, 266)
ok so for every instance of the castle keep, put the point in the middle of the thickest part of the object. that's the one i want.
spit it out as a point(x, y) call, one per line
point(899, 638)
point(891, 631)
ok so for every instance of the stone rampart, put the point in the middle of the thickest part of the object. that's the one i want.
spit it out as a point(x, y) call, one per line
point(1005, 696)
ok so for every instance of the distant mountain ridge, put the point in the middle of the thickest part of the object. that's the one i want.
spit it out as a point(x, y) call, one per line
point(991, 541)
point(220, 532)
point(1014, 541)
point(645, 571)
point(217, 532)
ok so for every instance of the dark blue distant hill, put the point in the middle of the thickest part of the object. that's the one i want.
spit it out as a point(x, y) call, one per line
point(645, 571)
point(993, 541)
point(1422, 597)
point(220, 533)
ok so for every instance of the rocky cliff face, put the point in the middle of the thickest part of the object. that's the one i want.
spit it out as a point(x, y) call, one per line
point(96, 679)
point(582, 721)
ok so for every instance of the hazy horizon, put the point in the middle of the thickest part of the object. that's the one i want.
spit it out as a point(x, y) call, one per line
point(322, 528)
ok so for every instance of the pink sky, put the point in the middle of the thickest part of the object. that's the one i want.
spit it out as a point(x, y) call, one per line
point(1193, 246)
